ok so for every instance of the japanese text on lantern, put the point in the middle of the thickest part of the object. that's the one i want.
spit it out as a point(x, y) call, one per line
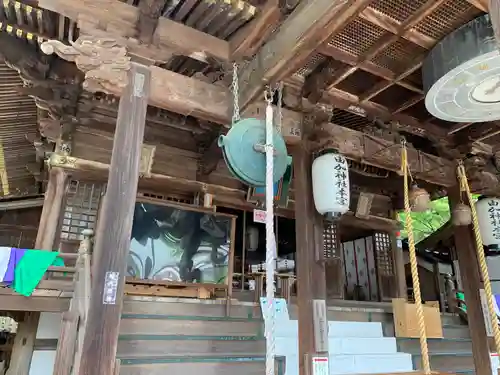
point(341, 180)
point(494, 215)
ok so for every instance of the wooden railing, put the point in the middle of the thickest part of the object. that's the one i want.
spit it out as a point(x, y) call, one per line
point(74, 321)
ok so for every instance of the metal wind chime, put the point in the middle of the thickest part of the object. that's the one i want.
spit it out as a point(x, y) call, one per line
point(255, 153)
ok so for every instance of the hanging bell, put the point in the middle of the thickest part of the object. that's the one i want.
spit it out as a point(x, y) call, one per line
point(461, 215)
point(420, 199)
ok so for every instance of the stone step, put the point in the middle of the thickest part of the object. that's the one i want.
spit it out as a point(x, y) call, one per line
point(153, 324)
point(335, 329)
point(157, 345)
point(446, 361)
point(345, 346)
point(360, 364)
point(448, 345)
point(194, 365)
point(453, 331)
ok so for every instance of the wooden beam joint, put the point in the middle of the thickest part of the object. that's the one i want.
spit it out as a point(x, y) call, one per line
point(149, 14)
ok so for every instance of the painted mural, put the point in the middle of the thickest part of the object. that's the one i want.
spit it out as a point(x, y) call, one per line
point(178, 245)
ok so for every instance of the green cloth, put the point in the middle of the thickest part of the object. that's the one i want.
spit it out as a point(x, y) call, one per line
point(461, 298)
point(31, 268)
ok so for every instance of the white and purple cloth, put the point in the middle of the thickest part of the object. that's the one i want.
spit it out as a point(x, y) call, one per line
point(9, 259)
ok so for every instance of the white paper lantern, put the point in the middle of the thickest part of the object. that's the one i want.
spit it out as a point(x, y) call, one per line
point(330, 180)
point(488, 215)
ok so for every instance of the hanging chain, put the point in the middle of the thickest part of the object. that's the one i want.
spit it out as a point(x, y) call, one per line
point(236, 95)
point(279, 122)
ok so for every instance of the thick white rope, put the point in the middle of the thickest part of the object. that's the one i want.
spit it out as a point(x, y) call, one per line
point(270, 241)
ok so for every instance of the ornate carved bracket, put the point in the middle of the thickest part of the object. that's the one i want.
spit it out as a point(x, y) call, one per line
point(103, 60)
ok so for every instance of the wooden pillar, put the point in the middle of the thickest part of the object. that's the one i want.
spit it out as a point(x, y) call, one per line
point(49, 229)
point(22, 350)
point(469, 271)
point(310, 273)
point(399, 266)
point(47, 238)
point(112, 239)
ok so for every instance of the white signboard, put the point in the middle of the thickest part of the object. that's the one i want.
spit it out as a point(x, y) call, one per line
point(320, 324)
point(259, 216)
point(320, 366)
point(486, 313)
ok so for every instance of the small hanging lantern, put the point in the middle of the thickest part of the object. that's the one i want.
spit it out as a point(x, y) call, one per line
point(461, 215)
point(330, 180)
point(488, 216)
point(420, 199)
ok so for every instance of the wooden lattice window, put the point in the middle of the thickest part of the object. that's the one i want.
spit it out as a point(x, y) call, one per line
point(81, 209)
point(383, 253)
point(18, 237)
point(331, 245)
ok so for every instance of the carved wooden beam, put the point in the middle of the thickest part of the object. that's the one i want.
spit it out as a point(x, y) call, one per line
point(106, 63)
point(309, 26)
point(385, 154)
point(120, 20)
point(177, 183)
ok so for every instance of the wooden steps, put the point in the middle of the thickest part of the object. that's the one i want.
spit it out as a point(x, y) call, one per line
point(157, 345)
point(151, 324)
point(450, 362)
point(160, 288)
point(192, 365)
point(447, 345)
point(452, 331)
point(180, 337)
point(189, 308)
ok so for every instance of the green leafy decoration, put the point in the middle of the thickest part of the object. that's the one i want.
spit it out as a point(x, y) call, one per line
point(426, 223)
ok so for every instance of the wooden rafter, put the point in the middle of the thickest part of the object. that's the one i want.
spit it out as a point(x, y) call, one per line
point(122, 22)
point(394, 32)
point(149, 14)
point(407, 123)
point(388, 23)
point(480, 132)
point(309, 26)
point(367, 66)
point(457, 127)
point(409, 103)
point(384, 85)
point(251, 37)
point(480, 4)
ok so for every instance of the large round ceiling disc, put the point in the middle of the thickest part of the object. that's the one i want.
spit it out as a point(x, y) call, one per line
point(461, 75)
point(487, 91)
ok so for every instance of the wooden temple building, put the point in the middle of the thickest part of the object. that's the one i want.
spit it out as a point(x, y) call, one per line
point(110, 115)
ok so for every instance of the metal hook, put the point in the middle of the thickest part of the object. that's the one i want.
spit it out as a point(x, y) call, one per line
point(268, 94)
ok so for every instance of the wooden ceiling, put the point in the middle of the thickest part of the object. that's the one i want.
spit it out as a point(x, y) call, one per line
point(368, 62)
point(357, 61)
